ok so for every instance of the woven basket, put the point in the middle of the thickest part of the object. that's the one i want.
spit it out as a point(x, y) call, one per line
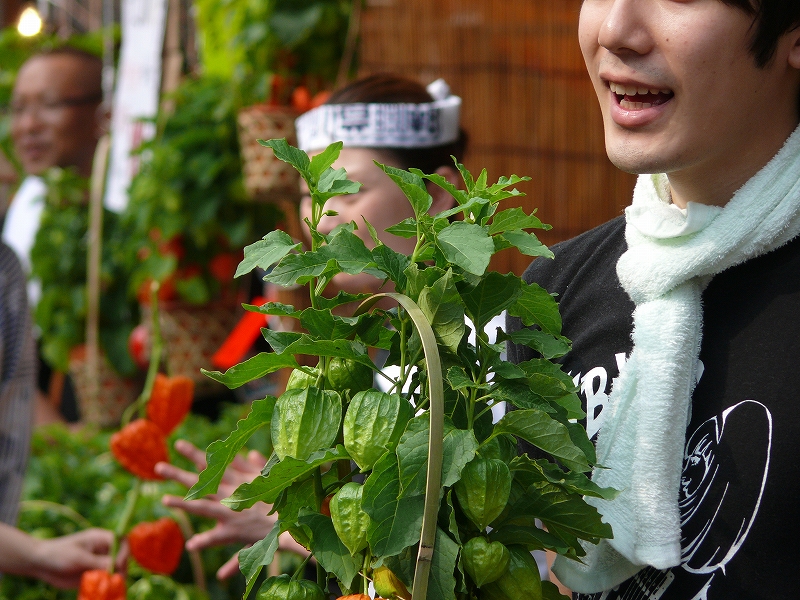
point(267, 178)
point(114, 392)
point(192, 334)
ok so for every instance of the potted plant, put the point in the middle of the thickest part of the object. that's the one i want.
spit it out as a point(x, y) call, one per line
point(416, 490)
point(188, 220)
point(282, 58)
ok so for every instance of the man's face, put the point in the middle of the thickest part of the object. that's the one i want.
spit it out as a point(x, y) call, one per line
point(679, 91)
point(54, 114)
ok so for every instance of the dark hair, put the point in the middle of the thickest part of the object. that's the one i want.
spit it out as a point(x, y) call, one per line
point(771, 19)
point(388, 88)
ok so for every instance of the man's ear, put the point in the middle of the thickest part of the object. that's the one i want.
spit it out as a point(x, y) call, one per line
point(794, 49)
point(442, 200)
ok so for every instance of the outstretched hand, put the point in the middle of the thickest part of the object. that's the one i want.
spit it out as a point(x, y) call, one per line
point(247, 526)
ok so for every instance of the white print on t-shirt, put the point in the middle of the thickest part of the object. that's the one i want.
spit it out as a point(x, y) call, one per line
point(594, 385)
point(712, 490)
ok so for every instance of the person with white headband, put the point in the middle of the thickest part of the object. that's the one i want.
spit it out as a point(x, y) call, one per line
point(683, 313)
point(383, 117)
point(395, 121)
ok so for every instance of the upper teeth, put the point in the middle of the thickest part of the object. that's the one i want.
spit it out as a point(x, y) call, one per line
point(629, 90)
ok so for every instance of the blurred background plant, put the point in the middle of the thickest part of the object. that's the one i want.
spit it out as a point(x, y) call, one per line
point(58, 262)
point(188, 216)
point(266, 49)
point(74, 482)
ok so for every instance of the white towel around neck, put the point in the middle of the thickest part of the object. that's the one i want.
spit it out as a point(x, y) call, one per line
point(671, 257)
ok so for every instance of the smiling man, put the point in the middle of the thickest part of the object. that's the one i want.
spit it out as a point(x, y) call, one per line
point(683, 313)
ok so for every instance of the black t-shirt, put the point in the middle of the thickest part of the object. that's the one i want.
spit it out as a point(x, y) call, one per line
point(740, 488)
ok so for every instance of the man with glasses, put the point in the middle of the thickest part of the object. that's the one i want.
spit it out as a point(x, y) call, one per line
point(56, 121)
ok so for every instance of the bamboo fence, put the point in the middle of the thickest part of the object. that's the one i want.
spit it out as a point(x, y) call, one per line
point(528, 105)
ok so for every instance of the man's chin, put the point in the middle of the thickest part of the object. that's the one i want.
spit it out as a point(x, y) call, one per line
point(636, 162)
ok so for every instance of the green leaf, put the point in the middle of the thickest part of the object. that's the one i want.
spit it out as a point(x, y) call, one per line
point(511, 219)
point(279, 341)
point(253, 368)
point(538, 428)
point(281, 476)
point(557, 510)
point(395, 522)
point(571, 481)
point(321, 323)
point(392, 263)
point(346, 252)
point(328, 549)
point(526, 243)
point(322, 161)
point(458, 448)
point(407, 228)
point(334, 182)
point(535, 306)
point(532, 537)
point(460, 195)
point(289, 154)
point(412, 186)
point(493, 294)
point(266, 252)
point(258, 556)
point(467, 245)
point(441, 304)
point(442, 582)
point(220, 453)
point(305, 344)
point(458, 379)
point(549, 346)
point(300, 268)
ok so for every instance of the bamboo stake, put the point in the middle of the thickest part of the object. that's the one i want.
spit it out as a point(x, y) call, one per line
point(94, 253)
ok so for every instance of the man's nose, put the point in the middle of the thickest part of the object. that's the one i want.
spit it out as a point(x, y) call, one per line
point(624, 28)
point(26, 119)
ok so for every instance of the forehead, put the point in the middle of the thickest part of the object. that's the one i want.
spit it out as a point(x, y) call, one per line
point(52, 76)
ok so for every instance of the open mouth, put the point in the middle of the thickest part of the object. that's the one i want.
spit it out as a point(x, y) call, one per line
point(632, 97)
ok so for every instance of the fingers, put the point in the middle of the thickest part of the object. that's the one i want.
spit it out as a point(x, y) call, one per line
point(229, 569)
point(257, 459)
point(94, 540)
point(192, 452)
point(202, 508)
point(168, 471)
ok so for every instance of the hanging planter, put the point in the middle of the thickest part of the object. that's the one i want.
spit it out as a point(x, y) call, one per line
point(192, 334)
point(266, 178)
point(438, 506)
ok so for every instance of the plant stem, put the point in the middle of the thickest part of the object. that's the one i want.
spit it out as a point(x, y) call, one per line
point(125, 518)
point(195, 558)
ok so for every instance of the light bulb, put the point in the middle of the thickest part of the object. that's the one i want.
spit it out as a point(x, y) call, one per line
point(30, 23)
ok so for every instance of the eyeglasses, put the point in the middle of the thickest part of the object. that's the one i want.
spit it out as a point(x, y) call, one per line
point(50, 108)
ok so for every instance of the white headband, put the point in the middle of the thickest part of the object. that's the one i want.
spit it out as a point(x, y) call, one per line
point(373, 125)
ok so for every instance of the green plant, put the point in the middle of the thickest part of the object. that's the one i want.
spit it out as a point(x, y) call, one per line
point(188, 216)
point(433, 481)
point(58, 261)
point(249, 42)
